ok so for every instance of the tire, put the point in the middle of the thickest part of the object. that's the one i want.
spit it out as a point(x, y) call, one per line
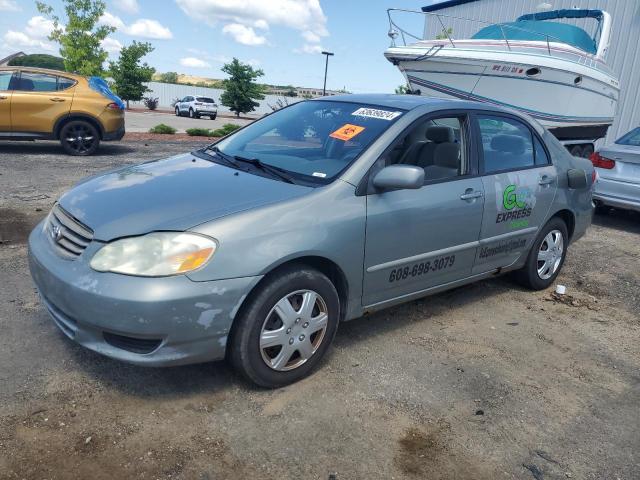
point(213, 117)
point(191, 113)
point(177, 112)
point(587, 151)
point(528, 276)
point(79, 138)
point(576, 150)
point(282, 363)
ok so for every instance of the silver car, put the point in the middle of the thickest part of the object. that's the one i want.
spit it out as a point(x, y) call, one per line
point(257, 247)
point(196, 106)
point(618, 168)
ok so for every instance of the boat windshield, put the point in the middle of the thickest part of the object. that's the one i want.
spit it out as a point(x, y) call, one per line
point(535, 30)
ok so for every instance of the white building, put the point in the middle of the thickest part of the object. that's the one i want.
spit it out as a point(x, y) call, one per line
point(624, 51)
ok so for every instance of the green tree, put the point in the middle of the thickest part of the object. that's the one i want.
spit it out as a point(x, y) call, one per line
point(403, 89)
point(169, 77)
point(445, 34)
point(80, 38)
point(241, 90)
point(129, 74)
point(40, 60)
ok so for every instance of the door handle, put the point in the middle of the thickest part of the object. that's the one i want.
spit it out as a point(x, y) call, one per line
point(3, 97)
point(57, 99)
point(546, 180)
point(471, 194)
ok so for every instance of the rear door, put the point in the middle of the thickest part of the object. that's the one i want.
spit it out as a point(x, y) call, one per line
point(37, 103)
point(5, 101)
point(417, 239)
point(520, 184)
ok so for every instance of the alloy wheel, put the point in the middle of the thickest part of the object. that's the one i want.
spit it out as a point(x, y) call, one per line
point(550, 254)
point(293, 330)
point(80, 138)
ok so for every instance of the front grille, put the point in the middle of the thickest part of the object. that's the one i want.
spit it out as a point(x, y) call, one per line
point(131, 344)
point(68, 235)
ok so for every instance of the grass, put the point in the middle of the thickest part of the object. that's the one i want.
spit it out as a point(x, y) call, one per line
point(226, 129)
point(163, 129)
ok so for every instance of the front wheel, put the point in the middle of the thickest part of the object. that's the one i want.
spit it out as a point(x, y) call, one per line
point(177, 112)
point(79, 138)
point(192, 113)
point(285, 330)
point(213, 117)
point(546, 256)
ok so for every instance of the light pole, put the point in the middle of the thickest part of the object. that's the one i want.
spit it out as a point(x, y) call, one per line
point(326, 66)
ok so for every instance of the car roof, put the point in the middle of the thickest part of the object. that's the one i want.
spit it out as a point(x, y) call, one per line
point(41, 70)
point(410, 102)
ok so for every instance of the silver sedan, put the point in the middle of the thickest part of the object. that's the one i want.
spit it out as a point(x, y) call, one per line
point(618, 167)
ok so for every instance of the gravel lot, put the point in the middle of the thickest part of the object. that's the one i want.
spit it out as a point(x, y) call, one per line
point(484, 382)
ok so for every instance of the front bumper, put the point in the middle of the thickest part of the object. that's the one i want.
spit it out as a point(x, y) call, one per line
point(144, 321)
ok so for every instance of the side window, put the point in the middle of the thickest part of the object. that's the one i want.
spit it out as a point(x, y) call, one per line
point(64, 83)
point(37, 82)
point(437, 145)
point(5, 80)
point(507, 144)
point(541, 154)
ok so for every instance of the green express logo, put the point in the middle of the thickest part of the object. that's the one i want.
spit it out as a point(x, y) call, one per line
point(511, 200)
point(515, 204)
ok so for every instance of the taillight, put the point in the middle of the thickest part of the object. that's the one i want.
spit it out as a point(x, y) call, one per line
point(113, 106)
point(601, 162)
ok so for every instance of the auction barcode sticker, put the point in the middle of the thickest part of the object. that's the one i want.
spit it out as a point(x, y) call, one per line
point(374, 113)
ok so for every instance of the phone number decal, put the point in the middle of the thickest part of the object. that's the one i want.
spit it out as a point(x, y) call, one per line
point(418, 269)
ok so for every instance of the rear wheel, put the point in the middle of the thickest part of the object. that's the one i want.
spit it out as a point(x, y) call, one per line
point(192, 113)
point(576, 150)
point(213, 117)
point(587, 150)
point(546, 256)
point(79, 138)
point(177, 112)
point(284, 331)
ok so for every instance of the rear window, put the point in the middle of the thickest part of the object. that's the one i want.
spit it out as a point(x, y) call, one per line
point(507, 144)
point(64, 83)
point(631, 138)
point(205, 100)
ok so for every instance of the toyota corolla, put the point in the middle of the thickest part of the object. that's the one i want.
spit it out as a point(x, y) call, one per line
point(255, 248)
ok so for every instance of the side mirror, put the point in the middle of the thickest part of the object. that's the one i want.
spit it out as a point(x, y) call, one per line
point(399, 177)
point(577, 178)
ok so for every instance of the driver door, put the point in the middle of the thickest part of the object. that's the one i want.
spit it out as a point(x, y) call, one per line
point(418, 239)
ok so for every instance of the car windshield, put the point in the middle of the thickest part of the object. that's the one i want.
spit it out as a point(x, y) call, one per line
point(205, 100)
point(630, 138)
point(313, 140)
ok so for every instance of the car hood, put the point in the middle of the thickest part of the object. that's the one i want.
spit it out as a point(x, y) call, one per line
point(176, 193)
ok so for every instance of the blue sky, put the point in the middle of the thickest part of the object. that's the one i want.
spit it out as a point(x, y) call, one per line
point(283, 37)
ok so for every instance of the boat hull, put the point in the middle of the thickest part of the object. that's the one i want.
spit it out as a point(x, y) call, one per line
point(574, 101)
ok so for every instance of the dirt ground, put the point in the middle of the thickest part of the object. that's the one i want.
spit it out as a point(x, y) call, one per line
point(488, 381)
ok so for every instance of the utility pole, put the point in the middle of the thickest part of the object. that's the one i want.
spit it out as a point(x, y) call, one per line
point(326, 66)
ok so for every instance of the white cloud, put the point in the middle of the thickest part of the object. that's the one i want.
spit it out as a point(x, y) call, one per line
point(9, 6)
point(111, 45)
point(311, 37)
point(148, 29)
point(144, 27)
point(303, 15)
point(15, 40)
point(111, 21)
point(308, 48)
point(39, 27)
point(193, 62)
point(128, 6)
point(243, 34)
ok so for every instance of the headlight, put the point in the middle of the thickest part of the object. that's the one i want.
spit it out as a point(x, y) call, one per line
point(155, 255)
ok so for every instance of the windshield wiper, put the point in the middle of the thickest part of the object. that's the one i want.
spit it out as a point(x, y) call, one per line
point(274, 171)
point(228, 159)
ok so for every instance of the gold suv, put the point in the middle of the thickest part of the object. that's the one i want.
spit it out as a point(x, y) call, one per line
point(36, 103)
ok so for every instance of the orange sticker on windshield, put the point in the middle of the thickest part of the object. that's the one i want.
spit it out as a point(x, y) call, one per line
point(347, 132)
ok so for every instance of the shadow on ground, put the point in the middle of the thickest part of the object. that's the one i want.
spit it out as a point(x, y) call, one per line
point(54, 148)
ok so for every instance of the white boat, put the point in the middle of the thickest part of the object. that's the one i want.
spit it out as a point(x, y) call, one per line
point(553, 71)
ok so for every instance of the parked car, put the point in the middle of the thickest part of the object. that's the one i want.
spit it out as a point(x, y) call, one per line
point(197, 106)
point(37, 103)
point(255, 248)
point(618, 167)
